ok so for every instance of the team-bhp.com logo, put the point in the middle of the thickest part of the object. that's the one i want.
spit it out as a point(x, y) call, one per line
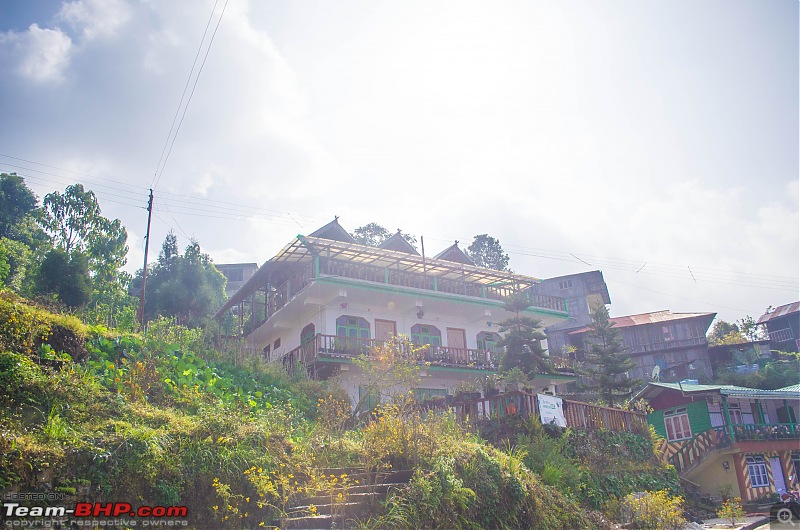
point(119, 514)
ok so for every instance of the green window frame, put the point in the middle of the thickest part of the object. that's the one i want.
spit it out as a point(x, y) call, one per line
point(487, 341)
point(352, 327)
point(426, 334)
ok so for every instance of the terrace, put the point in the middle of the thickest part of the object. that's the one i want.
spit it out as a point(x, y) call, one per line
point(310, 260)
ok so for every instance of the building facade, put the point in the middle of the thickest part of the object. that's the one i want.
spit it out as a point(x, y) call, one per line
point(721, 437)
point(783, 327)
point(582, 292)
point(324, 300)
point(666, 346)
point(237, 274)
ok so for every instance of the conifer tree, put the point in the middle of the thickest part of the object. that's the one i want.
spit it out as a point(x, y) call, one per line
point(522, 340)
point(606, 362)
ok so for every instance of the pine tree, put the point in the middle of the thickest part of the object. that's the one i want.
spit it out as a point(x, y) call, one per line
point(606, 363)
point(522, 340)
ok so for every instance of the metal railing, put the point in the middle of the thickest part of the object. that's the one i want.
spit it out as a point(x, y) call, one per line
point(333, 346)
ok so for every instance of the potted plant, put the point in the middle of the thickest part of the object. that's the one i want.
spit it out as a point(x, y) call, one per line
point(515, 379)
point(490, 385)
point(467, 390)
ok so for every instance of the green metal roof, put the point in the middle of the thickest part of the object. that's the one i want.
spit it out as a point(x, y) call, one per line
point(653, 389)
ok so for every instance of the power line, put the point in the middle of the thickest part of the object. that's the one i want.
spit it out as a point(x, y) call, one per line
point(156, 179)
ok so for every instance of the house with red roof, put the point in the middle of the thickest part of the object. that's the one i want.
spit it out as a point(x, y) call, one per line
point(783, 327)
point(666, 346)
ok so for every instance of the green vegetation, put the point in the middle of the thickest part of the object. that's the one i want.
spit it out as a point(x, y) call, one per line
point(170, 421)
point(606, 365)
point(522, 340)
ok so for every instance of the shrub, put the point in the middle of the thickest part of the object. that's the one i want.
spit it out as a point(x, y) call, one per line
point(731, 510)
point(654, 510)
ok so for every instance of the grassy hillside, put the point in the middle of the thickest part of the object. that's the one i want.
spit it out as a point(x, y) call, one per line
point(168, 421)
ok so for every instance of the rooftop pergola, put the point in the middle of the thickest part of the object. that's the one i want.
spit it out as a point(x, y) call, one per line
point(304, 249)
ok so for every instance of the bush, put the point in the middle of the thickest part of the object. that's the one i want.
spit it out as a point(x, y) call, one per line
point(654, 510)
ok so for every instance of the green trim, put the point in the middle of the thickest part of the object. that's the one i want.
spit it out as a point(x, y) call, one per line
point(316, 266)
point(385, 275)
point(435, 295)
point(727, 417)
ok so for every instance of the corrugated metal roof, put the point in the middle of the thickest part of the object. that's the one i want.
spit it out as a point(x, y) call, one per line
point(653, 389)
point(646, 318)
point(780, 311)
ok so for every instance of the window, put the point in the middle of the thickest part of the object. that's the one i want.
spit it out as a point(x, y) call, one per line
point(735, 411)
point(677, 424)
point(353, 327)
point(424, 334)
point(234, 275)
point(487, 341)
point(307, 333)
point(668, 333)
point(757, 468)
point(277, 344)
point(565, 284)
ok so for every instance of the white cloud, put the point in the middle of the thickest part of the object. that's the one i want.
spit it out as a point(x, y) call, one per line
point(95, 18)
point(38, 54)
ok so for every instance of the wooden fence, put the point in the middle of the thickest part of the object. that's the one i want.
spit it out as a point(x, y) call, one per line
point(578, 415)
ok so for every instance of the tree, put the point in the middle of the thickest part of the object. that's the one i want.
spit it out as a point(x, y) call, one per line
point(522, 340)
point(188, 287)
point(743, 330)
point(485, 251)
point(66, 276)
point(725, 333)
point(606, 363)
point(16, 202)
point(389, 370)
point(373, 235)
point(75, 223)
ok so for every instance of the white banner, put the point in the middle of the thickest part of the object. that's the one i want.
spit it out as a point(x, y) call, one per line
point(551, 410)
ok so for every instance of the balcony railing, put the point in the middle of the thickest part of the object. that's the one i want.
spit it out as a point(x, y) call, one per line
point(666, 345)
point(332, 346)
point(781, 335)
point(692, 451)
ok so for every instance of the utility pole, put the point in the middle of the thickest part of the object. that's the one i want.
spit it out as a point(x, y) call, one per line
point(144, 267)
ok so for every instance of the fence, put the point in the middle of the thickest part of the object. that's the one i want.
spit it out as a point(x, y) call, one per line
point(578, 415)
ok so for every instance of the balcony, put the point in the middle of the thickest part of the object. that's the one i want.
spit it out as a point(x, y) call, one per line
point(666, 345)
point(781, 335)
point(332, 347)
point(691, 452)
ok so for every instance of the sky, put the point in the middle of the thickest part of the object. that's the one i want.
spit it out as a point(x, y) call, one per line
point(655, 141)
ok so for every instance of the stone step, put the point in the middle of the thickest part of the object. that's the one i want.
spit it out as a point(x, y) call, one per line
point(361, 488)
point(322, 522)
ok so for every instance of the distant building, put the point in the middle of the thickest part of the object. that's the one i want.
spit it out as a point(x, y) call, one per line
point(740, 356)
point(237, 274)
point(783, 327)
point(666, 346)
point(582, 292)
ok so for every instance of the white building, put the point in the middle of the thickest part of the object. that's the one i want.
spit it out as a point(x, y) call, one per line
point(324, 299)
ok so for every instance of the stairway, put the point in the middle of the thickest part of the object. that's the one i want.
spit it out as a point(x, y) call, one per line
point(333, 508)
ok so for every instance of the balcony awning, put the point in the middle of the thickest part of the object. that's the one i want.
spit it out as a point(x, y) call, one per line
point(303, 249)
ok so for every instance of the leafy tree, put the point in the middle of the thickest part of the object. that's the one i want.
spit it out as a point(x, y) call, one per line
point(187, 287)
point(16, 202)
point(486, 251)
point(724, 333)
point(606, 363)
point(743, 330)
point(373, 235)
point(75, 223)
point(522, 340)
point(389, 370)
point(66, 276)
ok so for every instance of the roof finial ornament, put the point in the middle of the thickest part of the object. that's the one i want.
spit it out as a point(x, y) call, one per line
point(456, 241)
point(335, 217)
point(398, 230)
